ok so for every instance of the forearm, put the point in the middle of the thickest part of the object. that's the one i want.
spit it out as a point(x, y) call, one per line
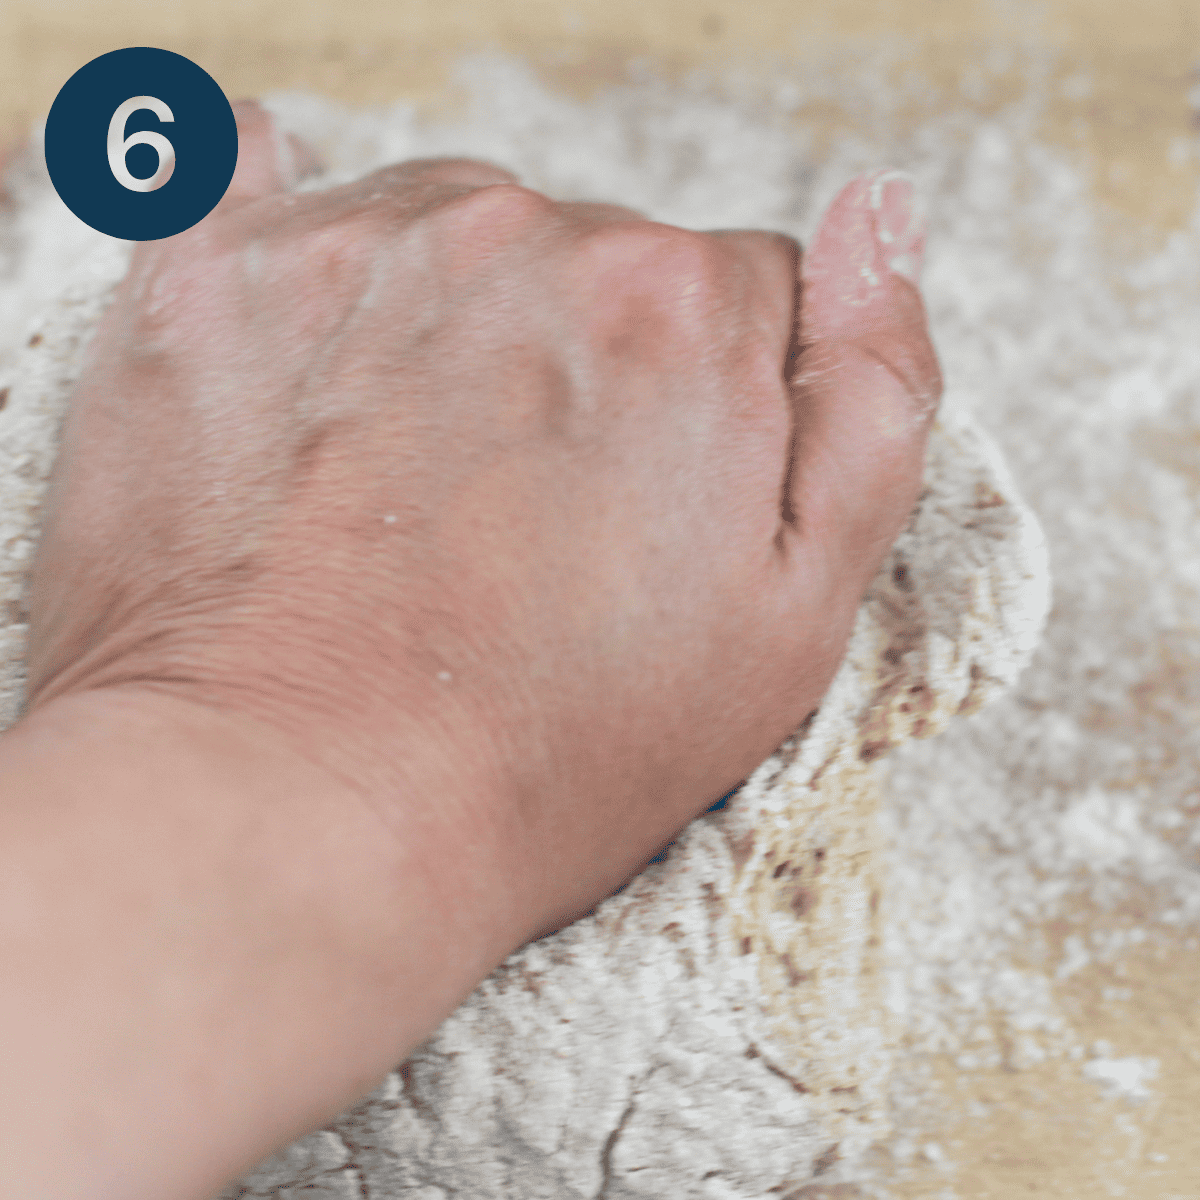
point(208, 951)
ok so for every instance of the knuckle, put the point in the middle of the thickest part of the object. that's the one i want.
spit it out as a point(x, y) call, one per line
point(661, 252)
point(682, 275)
point(495, 203)
point(459, 169)
point(451, 169)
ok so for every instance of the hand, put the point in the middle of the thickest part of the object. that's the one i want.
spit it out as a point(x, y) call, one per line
point(440, 480)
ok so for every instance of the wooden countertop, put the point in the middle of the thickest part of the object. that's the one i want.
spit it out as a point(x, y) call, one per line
point(1124, 86)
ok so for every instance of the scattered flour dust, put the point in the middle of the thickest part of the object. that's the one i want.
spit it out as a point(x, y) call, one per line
point(1084, 363)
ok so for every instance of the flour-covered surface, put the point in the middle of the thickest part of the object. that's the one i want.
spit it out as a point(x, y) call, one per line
point(717, 1029)
point(921, 1025)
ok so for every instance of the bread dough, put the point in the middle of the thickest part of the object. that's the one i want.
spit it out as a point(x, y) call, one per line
point(716, 1029)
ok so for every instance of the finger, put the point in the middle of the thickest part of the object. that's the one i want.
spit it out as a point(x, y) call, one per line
point(431, 172)
point(774, 260)
point(867, 381)
point(269, 161)
point(600, 213)
point(408, 187)
point(403, 189)
point(306, 162)
point(400, 178)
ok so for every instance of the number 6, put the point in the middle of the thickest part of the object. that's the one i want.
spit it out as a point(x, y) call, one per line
point(118, 149)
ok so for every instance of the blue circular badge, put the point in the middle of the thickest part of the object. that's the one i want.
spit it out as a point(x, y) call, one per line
point(141, 144)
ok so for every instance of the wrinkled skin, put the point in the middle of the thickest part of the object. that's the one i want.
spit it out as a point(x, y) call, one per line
point(546, 513)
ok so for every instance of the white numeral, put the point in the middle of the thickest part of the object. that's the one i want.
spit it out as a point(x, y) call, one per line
point(118, 149)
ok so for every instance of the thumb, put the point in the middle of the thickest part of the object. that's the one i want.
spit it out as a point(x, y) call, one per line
point(866, 384)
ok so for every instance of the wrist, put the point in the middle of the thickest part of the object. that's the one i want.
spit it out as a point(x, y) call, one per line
point(214, 948)
point(426, 810)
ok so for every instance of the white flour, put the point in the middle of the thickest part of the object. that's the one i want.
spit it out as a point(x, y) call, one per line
point(1083, 362)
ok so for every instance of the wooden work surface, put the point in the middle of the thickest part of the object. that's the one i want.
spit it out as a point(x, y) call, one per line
point(1046, 1135)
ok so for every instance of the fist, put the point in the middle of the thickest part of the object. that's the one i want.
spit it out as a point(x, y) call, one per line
point(461, 491)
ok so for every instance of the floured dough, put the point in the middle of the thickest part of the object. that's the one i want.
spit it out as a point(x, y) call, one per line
point(716, 1028)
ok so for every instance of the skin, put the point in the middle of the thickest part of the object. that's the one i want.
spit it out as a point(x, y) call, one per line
point(494, 536)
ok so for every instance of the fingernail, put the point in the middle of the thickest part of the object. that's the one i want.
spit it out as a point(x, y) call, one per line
point(900, 225)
